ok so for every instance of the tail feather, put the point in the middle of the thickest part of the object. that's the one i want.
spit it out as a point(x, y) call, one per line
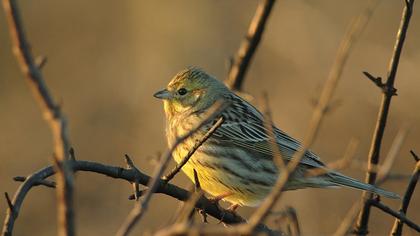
point(342, 180)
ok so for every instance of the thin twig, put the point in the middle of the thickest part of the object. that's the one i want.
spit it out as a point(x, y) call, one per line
point(197, 144)
point(268, 125)
point(400, 216)
point(390, 158)
point(249, 45)
point(129, 175)
point(352, 34)
point(52, 115)
point(375, 148)
point(340, 164)
point(346, 224)
point(139, 210)
point(398, 226)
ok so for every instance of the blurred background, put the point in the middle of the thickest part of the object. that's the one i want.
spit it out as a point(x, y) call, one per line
point(107, 58)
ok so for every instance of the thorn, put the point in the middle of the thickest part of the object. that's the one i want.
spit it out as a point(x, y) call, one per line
point(376, 80)
point(416, 158)
point(19, 178)
point(130, 163)
point(196, 181)
point(139, 194)
point(41, 61)
point(72, 155)
point(203, 216)
point(9, 202)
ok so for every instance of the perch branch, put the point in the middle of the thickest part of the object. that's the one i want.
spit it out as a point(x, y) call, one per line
point(52, 114)
point(129, 175)
point(375, 148)
point(248, 47)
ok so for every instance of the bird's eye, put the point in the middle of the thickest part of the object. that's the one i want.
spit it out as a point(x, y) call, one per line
point(182, 91)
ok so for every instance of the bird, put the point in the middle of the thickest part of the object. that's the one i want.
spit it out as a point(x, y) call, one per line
point(236, 163)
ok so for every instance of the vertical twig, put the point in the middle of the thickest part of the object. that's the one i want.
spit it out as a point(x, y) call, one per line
point(248, 47)
point(388, 92)
point(398, 225)
point(52, 114)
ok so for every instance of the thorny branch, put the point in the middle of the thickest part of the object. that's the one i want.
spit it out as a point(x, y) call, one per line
point(126, 174)
point(400, 216)
point(388, 92)
point(248, 47)
point(52, 114)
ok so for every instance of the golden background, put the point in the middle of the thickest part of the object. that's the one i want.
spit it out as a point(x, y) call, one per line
point(107, 58)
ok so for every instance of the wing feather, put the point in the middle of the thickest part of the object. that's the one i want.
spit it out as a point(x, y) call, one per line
point(244, 127)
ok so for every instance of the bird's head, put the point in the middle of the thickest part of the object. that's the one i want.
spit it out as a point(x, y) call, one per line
point(191, 90)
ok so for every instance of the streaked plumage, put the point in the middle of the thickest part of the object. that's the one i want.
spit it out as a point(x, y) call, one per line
point(237, 158)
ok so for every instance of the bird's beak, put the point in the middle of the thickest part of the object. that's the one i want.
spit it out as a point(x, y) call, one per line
point(163, 94)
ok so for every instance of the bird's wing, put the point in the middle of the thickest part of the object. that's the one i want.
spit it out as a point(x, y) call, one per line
point(244, 127)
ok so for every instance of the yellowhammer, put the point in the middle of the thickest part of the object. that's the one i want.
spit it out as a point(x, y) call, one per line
point(236, 162)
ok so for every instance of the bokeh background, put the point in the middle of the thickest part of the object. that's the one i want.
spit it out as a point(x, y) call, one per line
point(107, 58)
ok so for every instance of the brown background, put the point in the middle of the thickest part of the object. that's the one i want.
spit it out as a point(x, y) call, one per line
point(107, 58)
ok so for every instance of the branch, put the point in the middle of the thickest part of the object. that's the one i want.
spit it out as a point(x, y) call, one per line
point(52, 115)
point(398, 215)
point(397, 228)
point(248, 47)
point(375, 148)
point(129, 175)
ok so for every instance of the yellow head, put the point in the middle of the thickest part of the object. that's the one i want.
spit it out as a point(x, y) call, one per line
point(191, 90)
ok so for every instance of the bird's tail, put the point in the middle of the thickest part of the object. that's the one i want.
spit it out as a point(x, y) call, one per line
point(342, 180)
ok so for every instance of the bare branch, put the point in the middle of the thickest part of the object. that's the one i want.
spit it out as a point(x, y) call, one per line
point(52, 115)
point(397, 228)
point(129, 175)
point(375, 148)
point(249, 45)
point(400, 216)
